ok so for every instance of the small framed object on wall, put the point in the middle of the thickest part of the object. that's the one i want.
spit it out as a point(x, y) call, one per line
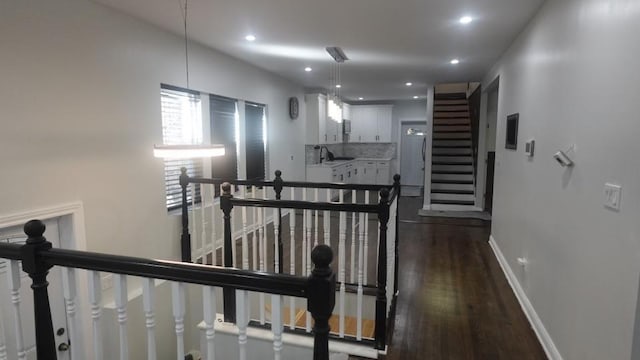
point(511, 141)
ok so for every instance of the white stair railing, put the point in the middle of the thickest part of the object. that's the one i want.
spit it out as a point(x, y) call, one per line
point(70, 295)
point(209, 312)
point(148, 303)
point(13, 272)
point(121, 297)
point(95, 298)
point(3, 341)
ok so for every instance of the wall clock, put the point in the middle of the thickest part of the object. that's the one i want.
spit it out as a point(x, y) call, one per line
point(294, 108)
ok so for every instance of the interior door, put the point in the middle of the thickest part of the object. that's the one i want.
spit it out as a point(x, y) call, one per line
point(56, 299)
point(412, 154)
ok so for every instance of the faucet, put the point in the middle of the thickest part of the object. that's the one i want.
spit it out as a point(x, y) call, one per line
point(326, 151)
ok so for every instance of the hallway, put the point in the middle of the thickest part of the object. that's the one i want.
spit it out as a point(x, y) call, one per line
point(454, 302)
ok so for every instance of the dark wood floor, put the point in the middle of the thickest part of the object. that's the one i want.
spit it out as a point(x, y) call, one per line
point(454, 302)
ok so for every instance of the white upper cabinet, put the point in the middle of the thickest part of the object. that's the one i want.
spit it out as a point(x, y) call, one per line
point(320, 129)
point(371, 123)
point(346, 111)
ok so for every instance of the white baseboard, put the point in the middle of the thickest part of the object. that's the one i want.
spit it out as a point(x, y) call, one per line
point(536, 323)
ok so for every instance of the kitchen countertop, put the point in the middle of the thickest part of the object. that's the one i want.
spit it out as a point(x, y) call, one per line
point(330, 164)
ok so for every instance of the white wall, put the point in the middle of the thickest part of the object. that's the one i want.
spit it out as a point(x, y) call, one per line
point(81, 111)
point(572, 75)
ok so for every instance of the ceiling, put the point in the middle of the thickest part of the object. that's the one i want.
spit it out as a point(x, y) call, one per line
point(388, 42)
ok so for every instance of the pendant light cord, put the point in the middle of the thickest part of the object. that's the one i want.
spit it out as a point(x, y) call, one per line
point(186, 39)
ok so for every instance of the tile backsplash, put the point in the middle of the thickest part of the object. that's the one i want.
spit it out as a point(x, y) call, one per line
point(356, 150)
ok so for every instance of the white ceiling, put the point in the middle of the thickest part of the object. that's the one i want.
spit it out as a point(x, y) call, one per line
point(389, 42)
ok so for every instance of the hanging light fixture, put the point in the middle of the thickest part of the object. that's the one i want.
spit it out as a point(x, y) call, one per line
point(187, 151)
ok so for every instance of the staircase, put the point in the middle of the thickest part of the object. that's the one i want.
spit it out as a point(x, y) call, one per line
point(452, 179)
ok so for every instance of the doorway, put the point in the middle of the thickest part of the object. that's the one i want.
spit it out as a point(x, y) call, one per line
point(17, 319)
point(412, 157)
point(490, 141)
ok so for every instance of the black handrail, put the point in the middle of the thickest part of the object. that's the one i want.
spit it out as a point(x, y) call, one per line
point(388, 194)
point(38, 257)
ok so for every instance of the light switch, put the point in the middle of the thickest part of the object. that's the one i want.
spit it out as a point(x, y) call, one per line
point(612, 195)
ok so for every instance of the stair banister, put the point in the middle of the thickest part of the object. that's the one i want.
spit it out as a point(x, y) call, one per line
point(229, 294)
point(321, 299)
point(381, 292)
point(277, 187)
point(398, 189)
point(33, 264)
point(185, 238)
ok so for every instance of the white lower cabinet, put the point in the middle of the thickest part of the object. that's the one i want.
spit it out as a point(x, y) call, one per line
point(354, 172)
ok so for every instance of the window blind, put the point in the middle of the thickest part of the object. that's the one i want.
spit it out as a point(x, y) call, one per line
point(224, 125)
point(181, 125)
point(255, 140)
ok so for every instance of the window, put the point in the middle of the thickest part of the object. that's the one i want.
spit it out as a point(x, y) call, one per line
point(181, 125)
point(224, 130)
point(255, 138)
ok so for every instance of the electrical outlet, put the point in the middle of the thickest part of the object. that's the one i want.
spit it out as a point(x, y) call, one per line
point(612, 194)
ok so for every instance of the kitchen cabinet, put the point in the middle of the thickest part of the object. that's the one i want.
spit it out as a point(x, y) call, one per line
point(371, 123)
point(320, 129)
point(373, 172)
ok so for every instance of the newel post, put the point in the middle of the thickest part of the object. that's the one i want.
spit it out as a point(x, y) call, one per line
point(185, 239)
point(396, 241)
point(277, 187)
point(33, 264)
point(229, 294)
point(381, 284)
point(321, 299)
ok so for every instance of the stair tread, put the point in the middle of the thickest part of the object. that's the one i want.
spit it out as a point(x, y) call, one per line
point(452, 202)
point(457, 182)
point(350, 322)
point(461, 192)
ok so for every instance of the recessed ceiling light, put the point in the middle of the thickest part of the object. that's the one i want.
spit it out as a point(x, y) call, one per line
point(338, 86)
point(466, 20)
point(416, 97)
point(250, 37)
point(409, 84)
point(360, 98)
point(455, 62)
point(308, 69)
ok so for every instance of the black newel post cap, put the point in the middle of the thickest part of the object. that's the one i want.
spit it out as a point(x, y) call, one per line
point(396, 178)
point(384, 193)
point(322, 255)
point(226, 188)
point(34, 229)
point(278, 173)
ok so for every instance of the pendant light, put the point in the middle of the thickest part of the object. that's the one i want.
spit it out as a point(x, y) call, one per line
point(188, 151)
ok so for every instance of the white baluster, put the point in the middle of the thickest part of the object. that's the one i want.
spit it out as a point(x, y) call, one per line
point(148, 303)
point(353, 238)
point(203, 224)
point(307, 254)
point(95, 298)
point(193, 231)
point(121, 308)
point(3, 341)
point(242, 321)
point(178, 298)
point(341, 262)
point(276, 325)
point(316, 214)
point(327, 222)
point(264, 231)
point(360, 278)
point(292, 260)
point(14, 288)
point(261, 241)
point(245, 241)
point(209, 304)
point(304, 234)
point(276, 235)
point(213, 226)
point(254, 238)
point(70, 295)
point(366, 238)
point(234, 250)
